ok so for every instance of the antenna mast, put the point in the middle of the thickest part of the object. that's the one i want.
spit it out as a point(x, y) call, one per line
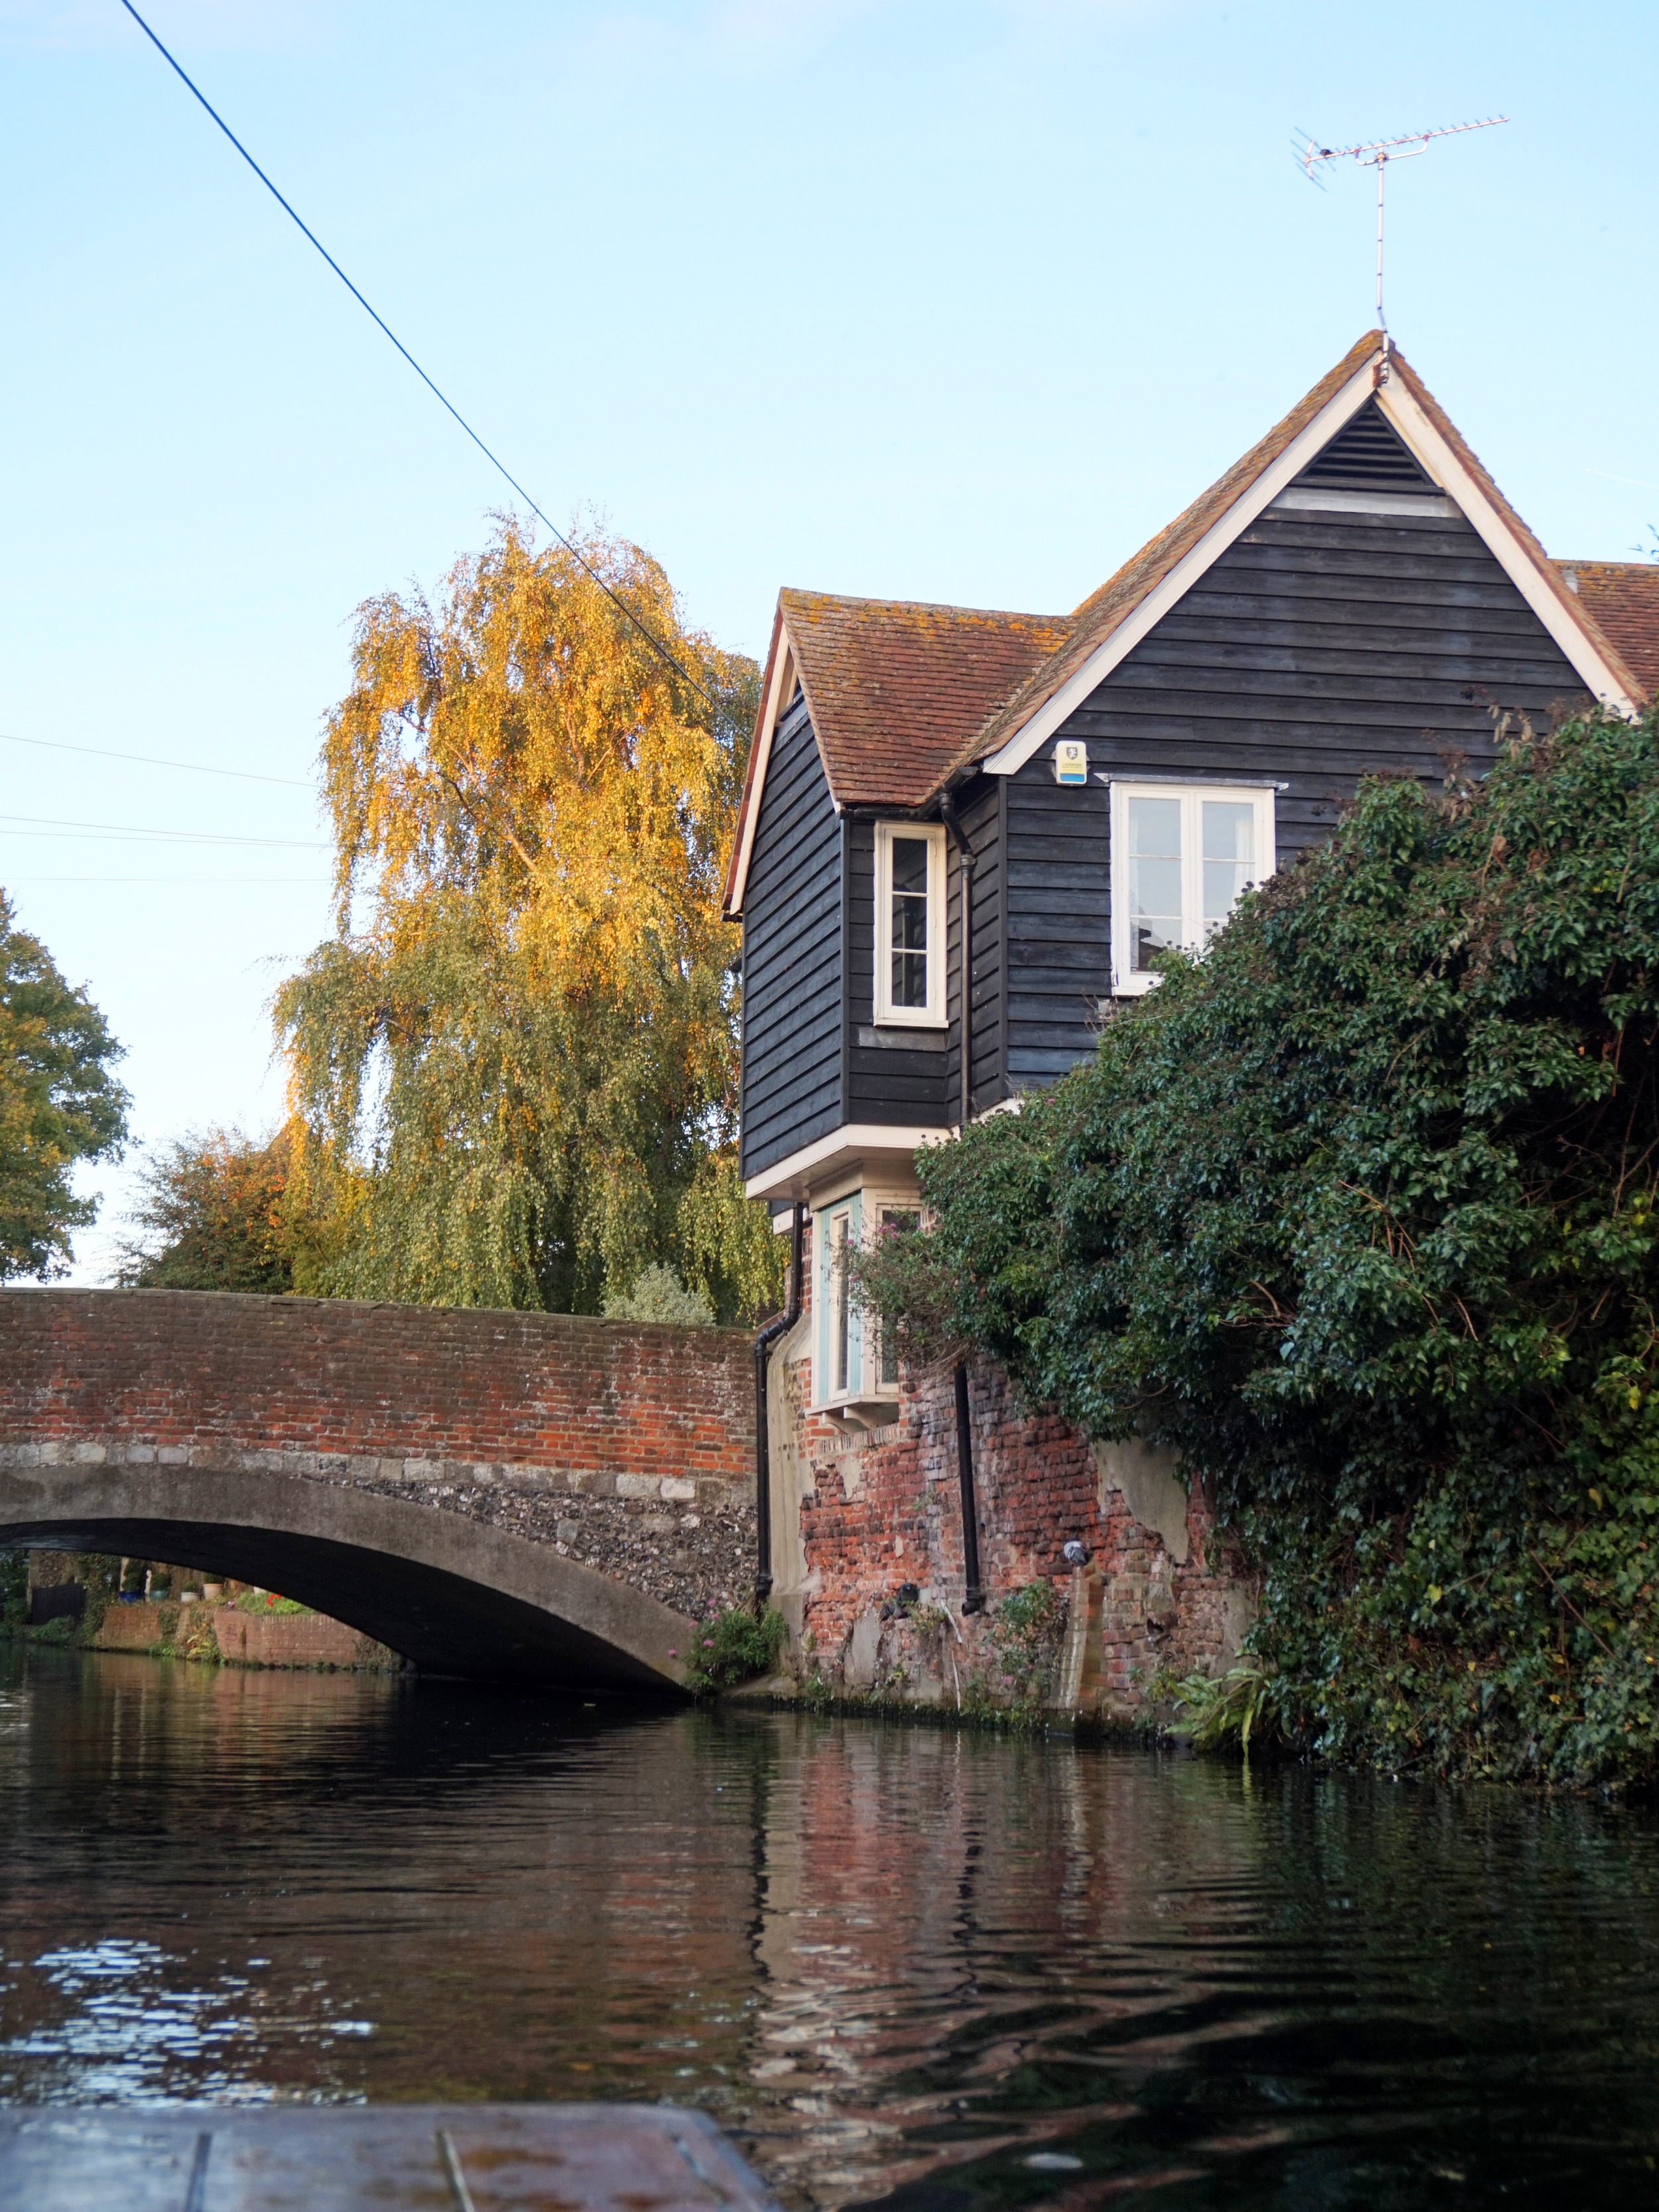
point(1379, 153)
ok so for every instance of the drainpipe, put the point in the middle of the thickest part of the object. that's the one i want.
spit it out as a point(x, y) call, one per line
point(953, 829)
point(780, 1325)
point(974, 1599)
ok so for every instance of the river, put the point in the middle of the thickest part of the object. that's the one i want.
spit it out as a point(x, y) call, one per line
point(958, 1972)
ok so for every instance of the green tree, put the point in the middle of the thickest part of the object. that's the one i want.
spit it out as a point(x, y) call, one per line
point(515, 1060)
point(59, 1104)
point(214, 1213)
point(1361, 1214)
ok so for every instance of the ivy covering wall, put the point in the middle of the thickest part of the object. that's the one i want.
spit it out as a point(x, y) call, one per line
point(1359, 1214)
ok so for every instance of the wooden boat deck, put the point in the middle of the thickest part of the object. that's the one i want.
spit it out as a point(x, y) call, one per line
point(374, 2158)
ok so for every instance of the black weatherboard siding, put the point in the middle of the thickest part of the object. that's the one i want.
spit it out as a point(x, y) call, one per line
point(1324, 644)
point(1058, 928)
point(898, 1074)
point(792, 963)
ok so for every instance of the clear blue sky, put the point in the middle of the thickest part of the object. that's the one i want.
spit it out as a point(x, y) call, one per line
point(946, 301)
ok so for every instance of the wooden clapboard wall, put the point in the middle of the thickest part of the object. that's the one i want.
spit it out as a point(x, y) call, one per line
point(1326, 644)
point(791, 955)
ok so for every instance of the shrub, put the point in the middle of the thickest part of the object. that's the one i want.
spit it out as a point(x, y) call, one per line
point(734, 1647)
point(1222, 1708)
point(1360, 1214)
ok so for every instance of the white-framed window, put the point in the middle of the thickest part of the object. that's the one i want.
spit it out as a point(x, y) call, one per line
point(911, 924)
point(895, 1218)
point(855, 1371)
point(1182, 854)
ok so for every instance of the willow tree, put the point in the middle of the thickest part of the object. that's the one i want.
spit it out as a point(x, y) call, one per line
point(515, 1059)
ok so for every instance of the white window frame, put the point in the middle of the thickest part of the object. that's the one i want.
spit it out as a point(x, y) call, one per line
point(1125, 984)
point(865, 1396)
point(931, 1016)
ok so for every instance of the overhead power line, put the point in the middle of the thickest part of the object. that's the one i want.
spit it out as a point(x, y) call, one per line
point(183, 883)
point(147, 760)
point(54, 825)
point(616, 600)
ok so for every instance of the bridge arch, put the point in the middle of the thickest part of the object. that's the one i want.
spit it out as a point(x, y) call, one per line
point(363, 1459)
point(455, 1597)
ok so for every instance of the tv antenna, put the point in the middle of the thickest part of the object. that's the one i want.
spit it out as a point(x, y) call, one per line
point(1379, 153)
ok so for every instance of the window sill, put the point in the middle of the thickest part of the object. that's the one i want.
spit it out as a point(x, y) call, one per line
point(908, 1037)
point(852, 1416)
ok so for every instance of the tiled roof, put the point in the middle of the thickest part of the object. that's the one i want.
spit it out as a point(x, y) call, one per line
point(1622, 597)
point(903, 695)
point(896, 688)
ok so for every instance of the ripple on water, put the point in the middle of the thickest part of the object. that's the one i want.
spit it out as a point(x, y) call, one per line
point(951, 1971)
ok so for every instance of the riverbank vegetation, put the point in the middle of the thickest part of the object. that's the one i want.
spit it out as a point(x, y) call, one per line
point(1360, 1213)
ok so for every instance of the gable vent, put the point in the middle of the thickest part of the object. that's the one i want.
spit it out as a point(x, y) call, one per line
point(1366, 454)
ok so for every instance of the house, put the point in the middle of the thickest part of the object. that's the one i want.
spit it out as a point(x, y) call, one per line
point(965, 833)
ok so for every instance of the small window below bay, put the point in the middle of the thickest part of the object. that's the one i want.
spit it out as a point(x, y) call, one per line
point(1181, 856)
point(909, 977)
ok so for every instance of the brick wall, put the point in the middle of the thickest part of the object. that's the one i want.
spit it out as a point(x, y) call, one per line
point(882, 1510)
point(628, 1446)
point(326, 1374)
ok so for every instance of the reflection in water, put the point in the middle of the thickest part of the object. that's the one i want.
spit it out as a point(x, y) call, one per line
point(954, 1970)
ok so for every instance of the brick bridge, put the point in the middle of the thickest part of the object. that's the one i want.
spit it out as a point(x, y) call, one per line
point(512, 1495)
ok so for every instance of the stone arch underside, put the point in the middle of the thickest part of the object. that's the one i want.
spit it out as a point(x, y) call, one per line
point(454, 1595)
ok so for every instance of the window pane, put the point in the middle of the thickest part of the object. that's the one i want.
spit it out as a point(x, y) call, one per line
point(841, 1303)
point(909, 921)
point(1154, 870)
point(894, 1218)
point(910, 979)
point(910, 864)
point(1155, 827)
point(1229, 856)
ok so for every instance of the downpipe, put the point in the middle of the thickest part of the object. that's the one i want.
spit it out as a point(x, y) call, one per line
point(780, 1325)
point(973, 1596)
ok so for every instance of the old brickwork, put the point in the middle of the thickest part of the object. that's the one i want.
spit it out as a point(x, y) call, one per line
point(627, 1447)
point(880, 1510)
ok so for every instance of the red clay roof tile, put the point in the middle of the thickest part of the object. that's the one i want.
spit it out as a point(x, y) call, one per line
point(1622, 598)
point(896, 688)
point(903, 695)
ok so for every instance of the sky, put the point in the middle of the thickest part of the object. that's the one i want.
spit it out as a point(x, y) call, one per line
point(957, 302)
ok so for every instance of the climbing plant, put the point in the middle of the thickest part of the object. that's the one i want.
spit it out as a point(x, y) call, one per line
point(1360, 1213)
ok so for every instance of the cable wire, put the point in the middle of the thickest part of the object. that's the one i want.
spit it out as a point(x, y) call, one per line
point(647, 634)
point(53, 825)
point(148, 760)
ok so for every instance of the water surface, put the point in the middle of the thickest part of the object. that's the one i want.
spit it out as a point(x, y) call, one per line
point(959, 1971)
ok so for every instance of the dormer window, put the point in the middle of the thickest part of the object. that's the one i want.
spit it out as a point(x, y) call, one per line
point(909, 925)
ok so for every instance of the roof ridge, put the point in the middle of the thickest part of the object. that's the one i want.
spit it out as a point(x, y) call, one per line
point(1123, 592)
point(917, 606)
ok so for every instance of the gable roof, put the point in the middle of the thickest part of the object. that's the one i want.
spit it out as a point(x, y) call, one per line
point(1106, 610)
point(895, 689)
point(1111, 623)
point(905, 696)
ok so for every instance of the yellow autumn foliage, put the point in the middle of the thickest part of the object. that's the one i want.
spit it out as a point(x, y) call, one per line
point(516, 1058)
